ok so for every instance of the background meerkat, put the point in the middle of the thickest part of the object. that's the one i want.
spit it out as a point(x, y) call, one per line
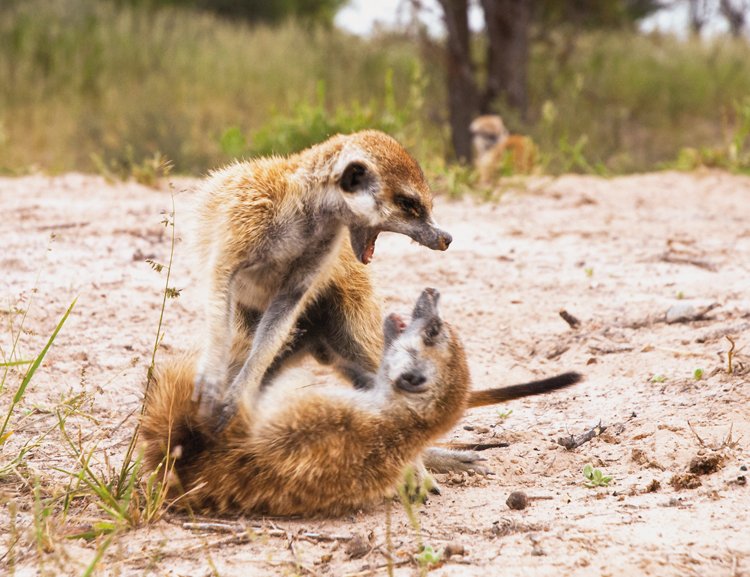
point(492, 142)
point(272, 239)
point(296, 449)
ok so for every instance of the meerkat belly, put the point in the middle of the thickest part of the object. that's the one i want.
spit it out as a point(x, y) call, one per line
point(254, 289)
point(256, 284)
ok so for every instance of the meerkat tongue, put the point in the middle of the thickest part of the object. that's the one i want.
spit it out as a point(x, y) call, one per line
point(369, 251)
point(363, 242)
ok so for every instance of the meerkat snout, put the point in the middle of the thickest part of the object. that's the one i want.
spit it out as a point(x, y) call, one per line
point(412, 382)
point(445, 240)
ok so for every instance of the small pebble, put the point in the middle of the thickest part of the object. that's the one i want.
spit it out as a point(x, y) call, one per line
point(517, 500)
point(357, 547)
point(452, 549)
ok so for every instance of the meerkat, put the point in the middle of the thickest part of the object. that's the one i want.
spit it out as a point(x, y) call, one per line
point(493, 142)
point(320, 450)
point(284, 241)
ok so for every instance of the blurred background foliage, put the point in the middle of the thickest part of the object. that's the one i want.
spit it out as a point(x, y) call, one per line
point(107, 84)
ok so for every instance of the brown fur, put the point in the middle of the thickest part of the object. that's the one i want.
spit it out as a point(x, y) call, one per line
point(493, 144)
point(318, 450)
point(298, 449)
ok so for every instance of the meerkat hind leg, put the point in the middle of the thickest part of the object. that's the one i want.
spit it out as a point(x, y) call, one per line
point(441, 460)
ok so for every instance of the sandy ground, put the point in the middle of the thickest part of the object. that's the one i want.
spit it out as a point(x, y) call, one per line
point(616, 254)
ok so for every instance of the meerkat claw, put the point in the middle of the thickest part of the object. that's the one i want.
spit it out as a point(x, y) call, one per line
point(225, 414)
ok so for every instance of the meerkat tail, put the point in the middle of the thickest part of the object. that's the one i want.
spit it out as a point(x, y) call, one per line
point(169, 423)
point(494, 396)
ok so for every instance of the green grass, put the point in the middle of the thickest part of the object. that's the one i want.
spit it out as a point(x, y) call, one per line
point(83, 77)
point(86, 497)
point(638, 100)
point(101, 86)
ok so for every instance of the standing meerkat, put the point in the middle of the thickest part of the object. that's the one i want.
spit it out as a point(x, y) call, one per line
point(297, 449)
point(284, 241)
point(492, 142)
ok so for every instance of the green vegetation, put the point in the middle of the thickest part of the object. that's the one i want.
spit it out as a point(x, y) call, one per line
point(82, 77)
point(595, 477)
point(638, 100)
point(99, 500)
point(428, 556)
point(504, 414)
point(413, 493)
point(118, 87)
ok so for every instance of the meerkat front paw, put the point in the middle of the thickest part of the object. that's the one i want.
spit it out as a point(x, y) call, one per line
point(418, 484)
point(207, 393)
point(452, 461)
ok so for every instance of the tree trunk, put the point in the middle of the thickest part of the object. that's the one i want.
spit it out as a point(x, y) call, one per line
point(735, 15)
point(507, 23)
point(698, 12)
point(462, 89)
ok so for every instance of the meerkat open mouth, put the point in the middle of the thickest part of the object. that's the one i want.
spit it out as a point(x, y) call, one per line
point(363, 243)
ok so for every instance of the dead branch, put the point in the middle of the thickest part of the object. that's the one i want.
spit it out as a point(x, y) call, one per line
point(574, 442)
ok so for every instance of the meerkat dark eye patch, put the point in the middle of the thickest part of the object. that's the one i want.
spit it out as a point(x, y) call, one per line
point(409, 205)
point(355, 177)
point(432, 332)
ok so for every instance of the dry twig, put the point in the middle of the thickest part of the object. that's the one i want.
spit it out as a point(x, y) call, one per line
point(574, 442)
point(730, 355)
point(572, 321)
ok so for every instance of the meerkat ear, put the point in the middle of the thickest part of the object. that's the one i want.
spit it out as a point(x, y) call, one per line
point(393, 326)
point(355, 177)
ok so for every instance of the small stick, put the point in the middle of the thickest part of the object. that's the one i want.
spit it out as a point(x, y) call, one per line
point(388, 540)
point(239, 529)
point(370, 571)
point(697, 436)
point(730, 354)
point(474, 446)
point(323, 537)
point(573, 442)
point(299, 564)
point(217, 527)
point(679, 259)
point(572, 321)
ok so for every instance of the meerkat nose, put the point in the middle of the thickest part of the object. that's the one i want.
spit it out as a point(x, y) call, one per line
point(447, 240)
point(411, 381)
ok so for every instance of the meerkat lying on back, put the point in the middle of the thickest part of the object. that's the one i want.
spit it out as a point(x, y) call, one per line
point(492, 143)
point(283, 242)
point(296, 449)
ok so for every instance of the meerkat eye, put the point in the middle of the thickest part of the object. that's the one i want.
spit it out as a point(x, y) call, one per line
point(432, 332)
point(409, 205)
